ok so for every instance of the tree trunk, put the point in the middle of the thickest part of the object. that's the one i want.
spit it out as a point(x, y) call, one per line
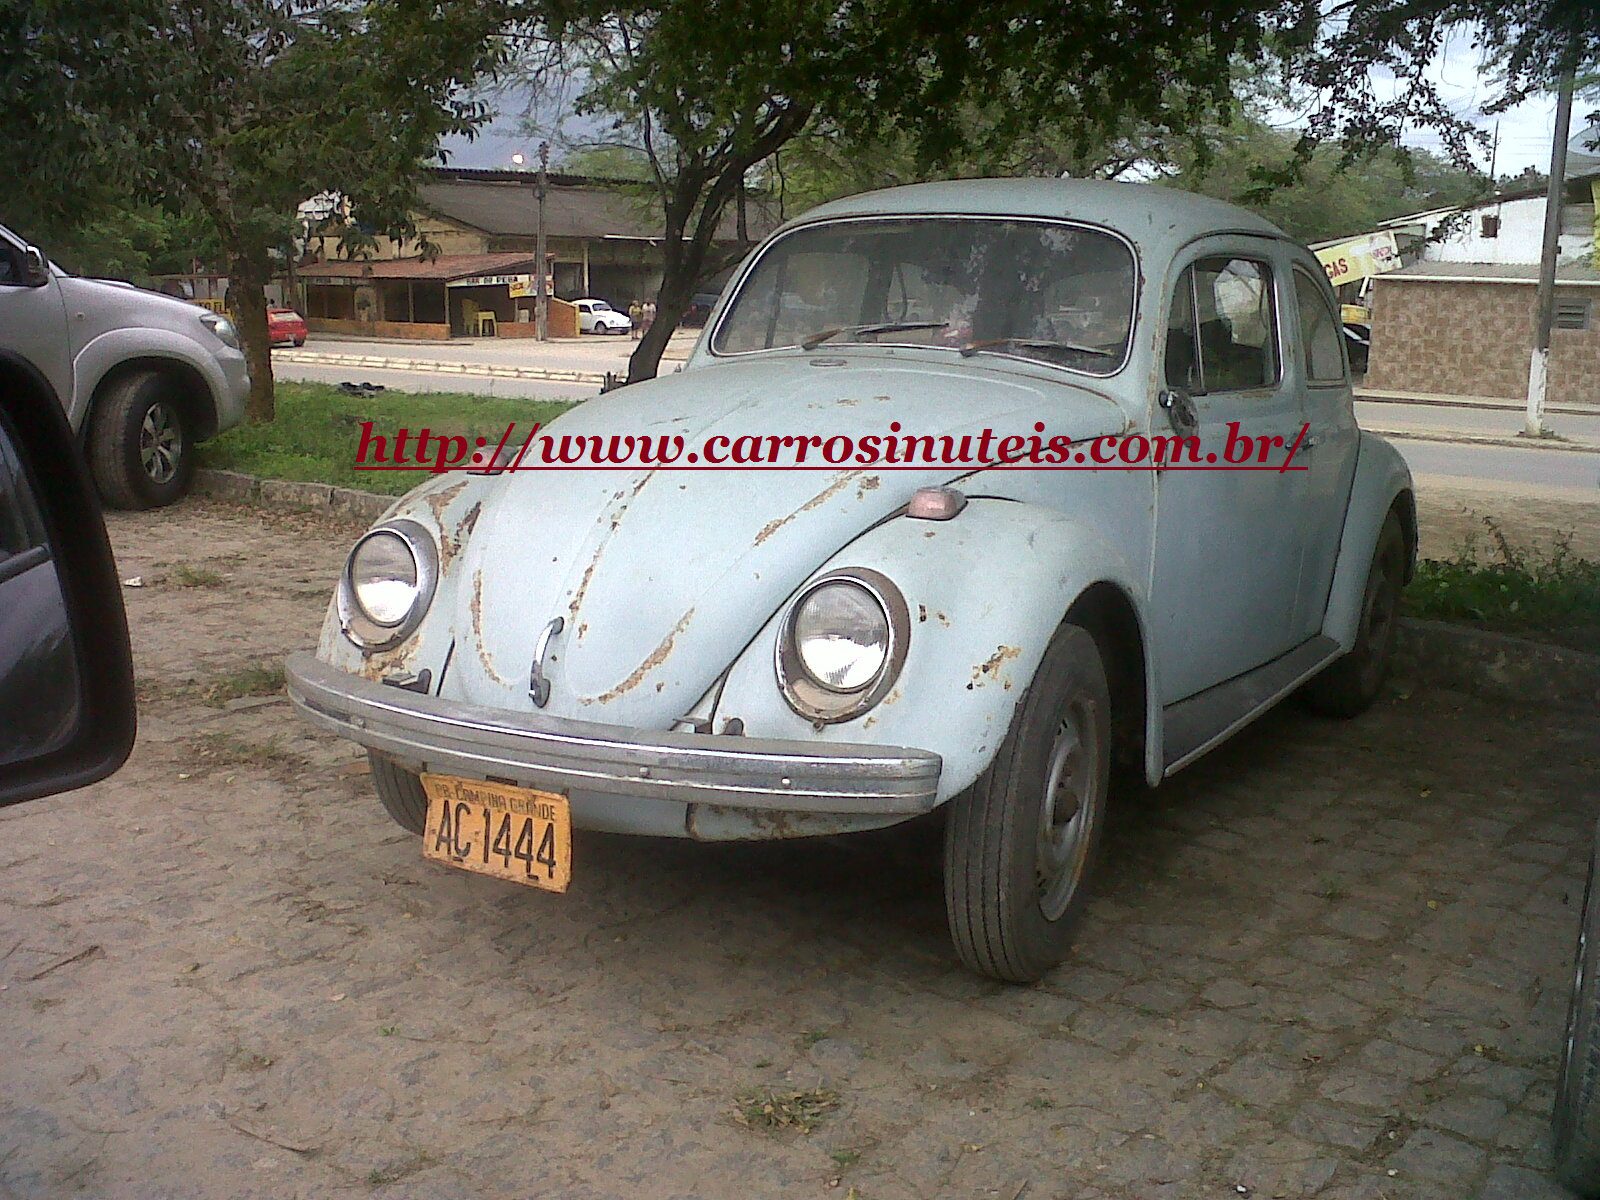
point(677, 289)
point(247, 300)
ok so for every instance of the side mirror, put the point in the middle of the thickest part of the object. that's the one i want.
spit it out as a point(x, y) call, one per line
point(1181, 415)
point(35, 267)
point(66, 672)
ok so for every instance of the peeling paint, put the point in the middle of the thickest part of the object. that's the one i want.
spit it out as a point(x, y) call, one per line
point(657, 656)
point(439, 501)
point(822, 497)
point(583, 586)
point(870, 484)
point(990, 668)
point(477, 630)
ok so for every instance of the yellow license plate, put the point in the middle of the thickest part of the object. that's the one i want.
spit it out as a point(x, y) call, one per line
point(495, 829)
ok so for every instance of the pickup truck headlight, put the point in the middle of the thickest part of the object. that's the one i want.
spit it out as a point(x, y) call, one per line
point(388, 584)
point(222, 327)
point(842, 644)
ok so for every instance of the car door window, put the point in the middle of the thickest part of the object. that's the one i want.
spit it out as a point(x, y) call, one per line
point(1222, 334)
point(11, 264)
point(1320, 333)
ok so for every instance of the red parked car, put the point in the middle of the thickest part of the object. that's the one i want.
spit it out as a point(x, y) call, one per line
point(285, 325)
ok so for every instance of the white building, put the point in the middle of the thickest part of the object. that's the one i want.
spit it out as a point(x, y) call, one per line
point(1508, 229)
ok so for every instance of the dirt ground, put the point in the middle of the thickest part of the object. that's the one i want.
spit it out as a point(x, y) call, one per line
point(1331, 960)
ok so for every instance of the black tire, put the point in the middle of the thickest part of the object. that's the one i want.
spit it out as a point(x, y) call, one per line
point(141, 445)
point(299, 342)
point(1350, 685)
point(401, 793)
point(1576, 1120)
point(1008, 918)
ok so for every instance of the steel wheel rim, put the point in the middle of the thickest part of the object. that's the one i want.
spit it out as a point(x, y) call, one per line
point(160, 443)
point(1067, 813)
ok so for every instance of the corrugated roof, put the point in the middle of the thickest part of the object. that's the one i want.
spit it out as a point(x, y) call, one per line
point(505, 204)
point(444, 268)
point(1579, 273)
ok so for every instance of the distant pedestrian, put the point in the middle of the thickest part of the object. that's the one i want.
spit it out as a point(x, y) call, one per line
point(649, 313)
point(635, 318)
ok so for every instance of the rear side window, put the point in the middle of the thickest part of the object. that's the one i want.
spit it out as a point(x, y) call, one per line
point(1320, 333)
point(1222, 335)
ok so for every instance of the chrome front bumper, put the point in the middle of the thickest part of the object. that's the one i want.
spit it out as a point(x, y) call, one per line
point(444, 736)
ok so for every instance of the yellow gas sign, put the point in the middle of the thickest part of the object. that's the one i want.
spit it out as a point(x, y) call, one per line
point(1357, 258)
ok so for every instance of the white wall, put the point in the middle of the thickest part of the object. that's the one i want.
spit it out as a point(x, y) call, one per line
point(1521, 234)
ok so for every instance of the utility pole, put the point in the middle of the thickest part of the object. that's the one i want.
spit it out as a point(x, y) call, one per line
point(541, 303)
point(1545, 302)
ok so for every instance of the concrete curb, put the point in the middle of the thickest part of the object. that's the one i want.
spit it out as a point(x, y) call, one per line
point(323, 358)
point(1492, 666)
point(292, 495)
point(1497, 666)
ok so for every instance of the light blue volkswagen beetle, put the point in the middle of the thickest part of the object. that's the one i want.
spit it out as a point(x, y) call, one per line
point(802, 648)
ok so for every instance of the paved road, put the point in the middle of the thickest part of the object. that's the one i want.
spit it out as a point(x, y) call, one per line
point(421, 381)
point(1329, 961)
point(1476, 421)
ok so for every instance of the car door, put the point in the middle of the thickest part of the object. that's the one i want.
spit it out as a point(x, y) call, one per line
point(33, 319)
point(1328, 451)
point(1226, 551)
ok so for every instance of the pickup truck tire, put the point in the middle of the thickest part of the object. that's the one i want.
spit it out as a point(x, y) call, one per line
point(1022, 842)
point(1350, 685)
point(1577, 1109)
point(401, 793)
point(141, 445)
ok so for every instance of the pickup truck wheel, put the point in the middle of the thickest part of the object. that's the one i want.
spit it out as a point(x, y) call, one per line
point(1577, 1109)
point(141, 449)
point(1351, 684)
point(401, 793)
point(1021, 843)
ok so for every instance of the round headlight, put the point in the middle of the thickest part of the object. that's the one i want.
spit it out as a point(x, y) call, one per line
point(384, 578)
point(841, 635)
point(388, 584)
point(842, 645)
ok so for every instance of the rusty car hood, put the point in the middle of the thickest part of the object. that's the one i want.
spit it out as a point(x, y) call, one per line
point(661, 577)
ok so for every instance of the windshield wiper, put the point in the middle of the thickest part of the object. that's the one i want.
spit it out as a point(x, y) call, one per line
point(812, 341)
point(972, 348)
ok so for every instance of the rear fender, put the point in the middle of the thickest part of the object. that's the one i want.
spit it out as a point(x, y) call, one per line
point(1382, 482)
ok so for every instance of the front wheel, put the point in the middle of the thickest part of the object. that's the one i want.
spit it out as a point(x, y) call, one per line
point(1351, 684)
point(1021, 843)
point(1577, 1115)
point(141, 447)
point(401, 793)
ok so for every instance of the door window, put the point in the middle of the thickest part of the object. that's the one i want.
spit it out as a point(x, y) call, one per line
point(1222, 334)
point(1320, 333)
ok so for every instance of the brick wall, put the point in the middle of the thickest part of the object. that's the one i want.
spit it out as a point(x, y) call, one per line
point(1466, 338)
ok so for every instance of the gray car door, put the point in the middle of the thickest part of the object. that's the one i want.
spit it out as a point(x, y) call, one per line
point(33, 318)
point(1227, 550)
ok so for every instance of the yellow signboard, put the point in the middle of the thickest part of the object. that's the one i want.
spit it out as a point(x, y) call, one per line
point(1360, 257)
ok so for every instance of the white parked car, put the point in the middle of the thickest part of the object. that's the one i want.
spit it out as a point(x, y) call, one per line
point(775, 652)
point(596, 316)
point(143, 377)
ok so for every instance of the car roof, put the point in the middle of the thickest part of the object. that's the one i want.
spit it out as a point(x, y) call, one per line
point(1149, 215)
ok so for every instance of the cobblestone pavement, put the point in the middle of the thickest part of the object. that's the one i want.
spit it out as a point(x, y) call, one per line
point(1330, 960)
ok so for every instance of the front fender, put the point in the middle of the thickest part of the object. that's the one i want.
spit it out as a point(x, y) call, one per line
point(448, 507)
point(986, 591)
point(145, 343)
point(1381, 478)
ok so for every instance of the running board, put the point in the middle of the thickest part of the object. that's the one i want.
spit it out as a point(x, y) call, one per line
point(1193, 726)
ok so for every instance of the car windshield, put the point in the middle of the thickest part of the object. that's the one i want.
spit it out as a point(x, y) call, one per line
point(1041, 290)
point(601, 306)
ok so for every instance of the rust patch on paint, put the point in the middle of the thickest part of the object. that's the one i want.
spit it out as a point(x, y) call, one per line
point(583, 586)
point(657, 656)
point(439, 501)
point(822, 497)
point(449, 547)
point(870, 484)
point(477, 630)
point(990, 667)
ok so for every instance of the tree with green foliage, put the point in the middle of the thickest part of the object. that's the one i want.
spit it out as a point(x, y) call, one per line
point(234, 113)
point(705, 93)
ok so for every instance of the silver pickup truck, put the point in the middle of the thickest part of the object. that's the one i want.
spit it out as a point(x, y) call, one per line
point(143, 377)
